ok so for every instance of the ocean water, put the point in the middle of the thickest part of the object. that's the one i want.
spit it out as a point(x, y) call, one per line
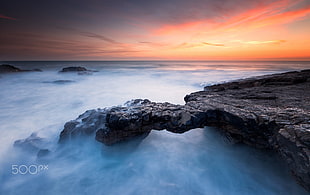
point(200, 161)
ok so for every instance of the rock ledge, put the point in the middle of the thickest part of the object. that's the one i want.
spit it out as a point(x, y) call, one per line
point(271, 112)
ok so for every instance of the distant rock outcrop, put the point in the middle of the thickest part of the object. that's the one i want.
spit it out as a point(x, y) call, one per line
point(73, 69)
point(271, 112)
point(79, 69)
point(6, 68)
point(60, 82)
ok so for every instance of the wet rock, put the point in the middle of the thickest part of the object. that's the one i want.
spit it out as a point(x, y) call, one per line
point(43, 153)
point(34, 70)
point(73, 69)
point(33, 143)
point(86, 124)
point(79, 69)
point(6, 68)
point(271, 112)
point(141, 117)
point(59, 81)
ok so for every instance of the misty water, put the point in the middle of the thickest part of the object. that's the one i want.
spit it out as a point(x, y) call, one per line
point(200, 161)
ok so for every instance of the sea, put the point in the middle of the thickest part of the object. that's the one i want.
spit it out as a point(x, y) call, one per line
point(200, 161)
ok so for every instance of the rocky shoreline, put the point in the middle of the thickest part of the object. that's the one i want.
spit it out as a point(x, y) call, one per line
point(271, 112)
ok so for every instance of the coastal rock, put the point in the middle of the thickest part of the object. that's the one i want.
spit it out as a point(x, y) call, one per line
point(271, 112)
point(6, 68)
point(137, 118)
point(33, 143)
point(43, 152)
point(60, 81)
point(79, 69)
point(86, 124)
point(143, 116)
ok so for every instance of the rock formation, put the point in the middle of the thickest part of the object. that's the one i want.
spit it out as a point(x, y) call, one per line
point(79, 69)
point(6, 68)
point(271, 112)
point(33, 144)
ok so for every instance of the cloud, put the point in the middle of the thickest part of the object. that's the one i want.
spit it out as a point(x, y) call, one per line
point(260, 42)
point(97, 36)
point(156, 27)
point(265, 13)
point(154, 44)
point(36, 46)
point(213, 44)
point(7, 17)
point(186, 45)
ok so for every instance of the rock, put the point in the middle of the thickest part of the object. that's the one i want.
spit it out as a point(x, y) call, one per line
point(43, 153)
point(33, 143)
point(6, 68)
point(86, 124)
point(34, 70)
point(137, 118)
point(60, 81)
point(122, 123)
point(79, 69)
point(271, 112)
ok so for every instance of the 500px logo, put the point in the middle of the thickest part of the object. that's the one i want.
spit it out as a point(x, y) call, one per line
point(28, 169)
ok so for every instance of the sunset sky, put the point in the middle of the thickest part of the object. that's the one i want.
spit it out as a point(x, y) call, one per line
point(155, 30)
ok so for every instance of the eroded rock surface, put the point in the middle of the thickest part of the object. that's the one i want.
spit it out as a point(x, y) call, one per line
point(270, 112)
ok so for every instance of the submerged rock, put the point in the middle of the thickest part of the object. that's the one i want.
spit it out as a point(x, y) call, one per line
point(43, 152)
point(60, 81)
point(271, 112)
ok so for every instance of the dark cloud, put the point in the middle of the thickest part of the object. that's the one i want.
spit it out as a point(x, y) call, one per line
point(109, 13)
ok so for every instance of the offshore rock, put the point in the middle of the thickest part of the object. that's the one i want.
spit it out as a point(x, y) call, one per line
point(271, 112)
point(79, 69)
point(6, 68)
point(73, 69)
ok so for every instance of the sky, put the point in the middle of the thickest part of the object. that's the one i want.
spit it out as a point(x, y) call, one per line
point(154, 30)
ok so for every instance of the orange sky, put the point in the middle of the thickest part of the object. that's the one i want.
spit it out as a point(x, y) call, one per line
point(201, 30)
